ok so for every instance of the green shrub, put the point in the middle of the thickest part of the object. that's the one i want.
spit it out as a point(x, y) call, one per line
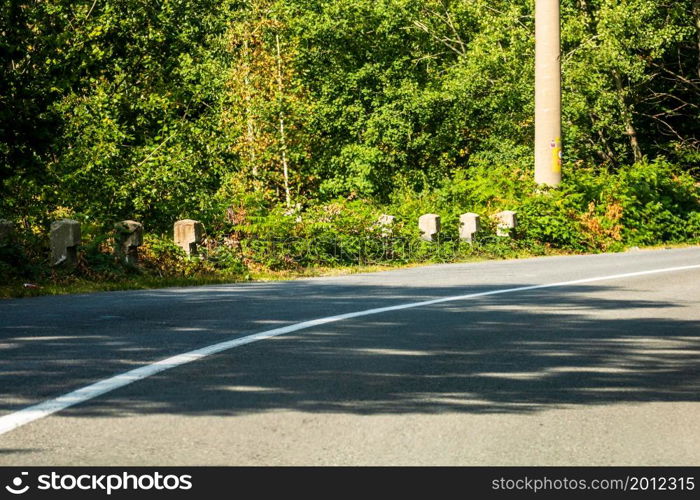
point(642, 204)
point(162, 257)
point(658, 200)
point(593, 210)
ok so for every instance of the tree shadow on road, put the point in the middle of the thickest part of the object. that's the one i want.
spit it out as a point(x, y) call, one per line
point(514, 353)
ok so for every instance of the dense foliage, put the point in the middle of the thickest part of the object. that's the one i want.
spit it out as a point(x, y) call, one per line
point(253, 115)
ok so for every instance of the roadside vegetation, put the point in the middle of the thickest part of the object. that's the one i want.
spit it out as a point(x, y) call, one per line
point(289, 126)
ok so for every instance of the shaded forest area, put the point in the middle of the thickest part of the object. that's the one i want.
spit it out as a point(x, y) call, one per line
point(302, 121)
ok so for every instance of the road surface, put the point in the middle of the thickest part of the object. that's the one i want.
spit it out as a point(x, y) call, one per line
point(496, 369)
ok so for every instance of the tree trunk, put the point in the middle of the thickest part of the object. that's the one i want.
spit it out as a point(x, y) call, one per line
point(630, 131)
point(283, 140)
point(696, 14)
point(250, 125)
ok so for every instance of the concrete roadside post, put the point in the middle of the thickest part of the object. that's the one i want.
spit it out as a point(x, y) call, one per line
point(127, 240)
point(429, 226)
point(506, 223)
point(469, 225)
point(386, 230)
point(64, 239)
point(188, 234)
point(386, 223)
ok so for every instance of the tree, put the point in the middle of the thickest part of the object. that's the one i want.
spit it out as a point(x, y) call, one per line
point(629, 86)
point(120, 101)
point(266, 105)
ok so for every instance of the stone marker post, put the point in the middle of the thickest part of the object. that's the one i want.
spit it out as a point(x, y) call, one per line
point(188, 234)
point(386, 223)
point(506, 222)
point(469, 225)
point(429, 225)
point(65, 238)
point(127, 240)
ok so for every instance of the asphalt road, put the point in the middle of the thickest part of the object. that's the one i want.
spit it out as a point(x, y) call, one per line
point(598, 373)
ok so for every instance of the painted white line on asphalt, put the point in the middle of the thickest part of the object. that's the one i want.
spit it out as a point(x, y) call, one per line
point(41, 410)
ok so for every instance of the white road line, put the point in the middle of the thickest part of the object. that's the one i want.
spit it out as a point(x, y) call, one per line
point(41, 410)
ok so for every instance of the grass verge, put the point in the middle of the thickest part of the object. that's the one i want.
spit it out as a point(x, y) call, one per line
point(76, 285)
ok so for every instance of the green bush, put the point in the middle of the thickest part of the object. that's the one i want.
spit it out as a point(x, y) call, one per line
point(643, 204)
point(593, 210)
point(658, 201)
point(23, 255)
point(227, 260)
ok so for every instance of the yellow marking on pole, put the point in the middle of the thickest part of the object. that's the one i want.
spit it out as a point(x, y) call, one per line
point(556, 155)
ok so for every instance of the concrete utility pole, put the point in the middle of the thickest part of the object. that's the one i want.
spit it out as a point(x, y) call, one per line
point(547, 93)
